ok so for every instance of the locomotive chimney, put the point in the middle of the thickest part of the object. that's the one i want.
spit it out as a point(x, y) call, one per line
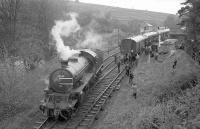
point(64, 63)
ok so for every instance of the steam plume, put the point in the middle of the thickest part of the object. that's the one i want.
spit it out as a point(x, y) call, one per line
point(65, 28)
point(92, 40)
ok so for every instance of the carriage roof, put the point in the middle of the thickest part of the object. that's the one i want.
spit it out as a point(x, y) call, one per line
point(138, 38)
point(163, 31)
point(141, 37)
point(151, 34)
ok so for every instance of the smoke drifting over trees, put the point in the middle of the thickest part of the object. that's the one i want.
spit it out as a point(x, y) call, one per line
point(65, 28)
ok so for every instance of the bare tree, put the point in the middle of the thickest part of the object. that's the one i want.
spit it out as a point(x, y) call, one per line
point(8, 22)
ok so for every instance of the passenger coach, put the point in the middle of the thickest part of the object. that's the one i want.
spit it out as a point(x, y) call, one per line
point(139, 42)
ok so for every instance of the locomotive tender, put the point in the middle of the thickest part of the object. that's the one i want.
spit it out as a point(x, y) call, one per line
point(139, 42)
point(69, 84)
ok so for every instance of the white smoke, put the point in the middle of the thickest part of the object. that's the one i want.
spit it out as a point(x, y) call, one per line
point(65, 28)
point(68, 27)
point(92, 40)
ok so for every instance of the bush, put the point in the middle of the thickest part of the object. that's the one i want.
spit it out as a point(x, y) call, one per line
point(13, 99)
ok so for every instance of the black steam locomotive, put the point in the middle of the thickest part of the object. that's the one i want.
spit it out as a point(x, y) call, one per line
point(69, 84)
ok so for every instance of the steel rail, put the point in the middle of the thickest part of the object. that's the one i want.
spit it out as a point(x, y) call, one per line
point(98, 70)
point(99, 97)
point(46, 124)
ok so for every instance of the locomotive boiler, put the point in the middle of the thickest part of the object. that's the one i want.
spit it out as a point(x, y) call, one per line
point(69, 84)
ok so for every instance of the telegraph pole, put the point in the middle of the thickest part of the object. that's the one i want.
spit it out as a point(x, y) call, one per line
point(118, 36)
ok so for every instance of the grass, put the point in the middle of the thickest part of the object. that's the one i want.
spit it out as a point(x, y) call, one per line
point(20, 95)
point(169, 98)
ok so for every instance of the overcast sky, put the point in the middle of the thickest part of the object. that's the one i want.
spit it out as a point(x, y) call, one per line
point(167, 6)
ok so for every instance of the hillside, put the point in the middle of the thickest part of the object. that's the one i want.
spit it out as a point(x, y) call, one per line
point(121, 14)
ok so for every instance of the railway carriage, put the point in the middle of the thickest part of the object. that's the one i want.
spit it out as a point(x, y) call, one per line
point(132, 43)
point(139, 42)
point(69, 84)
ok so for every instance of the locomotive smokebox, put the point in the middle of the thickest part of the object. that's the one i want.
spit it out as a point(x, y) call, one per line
point(64, 63)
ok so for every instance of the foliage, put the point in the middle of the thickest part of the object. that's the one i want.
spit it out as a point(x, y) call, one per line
point(9, 11)
point(171, 21)
point(190, 15)
point(25, 28)
point(85, 18)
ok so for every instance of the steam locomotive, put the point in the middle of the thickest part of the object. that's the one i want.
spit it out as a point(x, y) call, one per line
point(139, 42)
point(69, 84)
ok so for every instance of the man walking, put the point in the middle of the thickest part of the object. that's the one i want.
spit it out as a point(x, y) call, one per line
point(134, 87)
point(131, 76)
point(115, 57)
point(118, 66)
point(137, 59)
point(175, 63)
point(127, 69)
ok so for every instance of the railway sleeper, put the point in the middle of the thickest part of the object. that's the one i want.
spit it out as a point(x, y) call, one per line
point(94, 95)
point(108, 78)
point(100, 88)
point(107, 93)
point(89, 115)
point(83, 109)
point(38, 122)
point(104, 83)
point(95, 108)
point(83, 112)
point(101, 102)
point(86, 104)
point(87, 119)
point(96, 92)
point(90, 100)
point(93, 112)
point(102, 99)
point(83, 124)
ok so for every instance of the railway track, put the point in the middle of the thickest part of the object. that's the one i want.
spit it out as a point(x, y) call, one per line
point(46, 124)
point(96, 98)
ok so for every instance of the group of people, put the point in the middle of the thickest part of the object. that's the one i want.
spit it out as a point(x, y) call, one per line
point(130, 59)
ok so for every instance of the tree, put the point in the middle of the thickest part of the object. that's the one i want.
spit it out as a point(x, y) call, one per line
point(190, 15)
point(85, 18)
point(8, 21)
point(134, 26)
point(171, 21)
